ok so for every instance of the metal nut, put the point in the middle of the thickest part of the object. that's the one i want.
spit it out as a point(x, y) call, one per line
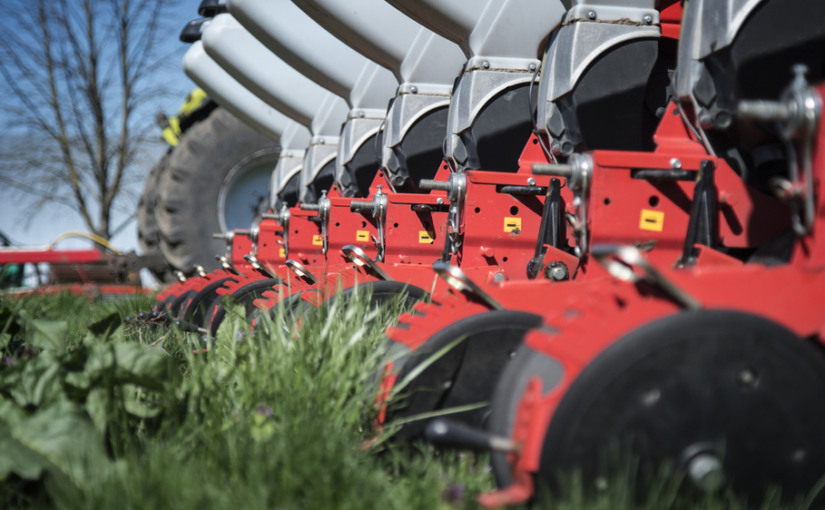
point(531, 182)
point(706, 472)
point(591, 15)
point(414, 90)
point(485, 65)
point(648, 19)
point(675, 163)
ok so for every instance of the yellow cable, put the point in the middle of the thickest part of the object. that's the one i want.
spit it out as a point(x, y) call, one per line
point(87, 235)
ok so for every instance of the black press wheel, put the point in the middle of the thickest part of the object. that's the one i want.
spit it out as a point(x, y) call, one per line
point(466, 374)
point(246, 296)
point(720, 386)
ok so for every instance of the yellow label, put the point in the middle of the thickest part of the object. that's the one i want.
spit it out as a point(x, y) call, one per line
point(426, 236)
point(652, 220)
point(511, 224)
point(362, 235)
point(318, 240)
point(282, 253)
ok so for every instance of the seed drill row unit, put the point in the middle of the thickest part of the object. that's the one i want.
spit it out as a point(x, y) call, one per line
point(613, 208)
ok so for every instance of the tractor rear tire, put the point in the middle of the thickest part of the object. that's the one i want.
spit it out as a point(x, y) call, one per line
point(211, 153)
point(148, 235)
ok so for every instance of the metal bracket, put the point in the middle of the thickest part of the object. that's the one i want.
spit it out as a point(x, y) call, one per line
point(457, 279)
point(631, 256)
point(361, 259)
point(578, 173)
point(797, 115)
point(323, 207)
point(299, 269)
point(378, 207)
point(256, 264)
point(226, 264)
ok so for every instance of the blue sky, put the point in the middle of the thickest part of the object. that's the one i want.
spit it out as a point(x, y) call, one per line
point(51, 220)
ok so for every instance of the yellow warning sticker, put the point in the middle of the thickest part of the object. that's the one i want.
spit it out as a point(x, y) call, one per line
point(652, 220)
point(426, 236)
point(511, 224)
point(282, 253)
point(362, 235)
point(318, 240)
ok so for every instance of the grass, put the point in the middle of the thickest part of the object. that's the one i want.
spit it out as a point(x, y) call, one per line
point(95, 415)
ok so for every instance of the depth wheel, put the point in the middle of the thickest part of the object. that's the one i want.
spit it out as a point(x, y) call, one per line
point(736, 388)
point(246, 296)
point(466, 374)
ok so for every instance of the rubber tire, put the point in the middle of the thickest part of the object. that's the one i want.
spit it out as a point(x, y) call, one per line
point(195, 311)
point(383, 292)
point(148, 235)
point(473, 366)
point(187, 212)
point(246, 296)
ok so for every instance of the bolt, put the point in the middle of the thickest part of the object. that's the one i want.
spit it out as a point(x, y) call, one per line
point(557, 271)
point(648, 19)
point(531, 182)
point(705, 471)
point(675, 163)
point(361, 114)
point(321, 141)
point(746, 377)
point(532, 67)
point(414, 90)
point(499, 277)
point(485, 65)
point(649, 398)
point(439, 201)
point(591, 15)
point(447, 384)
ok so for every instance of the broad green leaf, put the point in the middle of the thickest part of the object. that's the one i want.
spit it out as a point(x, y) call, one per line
point(106, 329)
point(95, 405)
point(37, 381)
point(136, 407)
point(10, 412)
point(64, 434)
point(79, 380)
point(145, 366)
point(17, 458)
point(46, 335)
point(132, 363)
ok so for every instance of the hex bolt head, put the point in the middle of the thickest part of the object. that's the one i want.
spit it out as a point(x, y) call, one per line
point(361, 114)
point(531, 182)
point(414, 90)
point(532, 67)
point(321, 141)
point(591, 15)
point(556, 272)
point(706, 472)
point(675, 163)
point(485, 65)
point(648, 19)
point(746, 377)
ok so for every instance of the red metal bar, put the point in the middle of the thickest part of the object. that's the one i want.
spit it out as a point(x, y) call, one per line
point(35, 255)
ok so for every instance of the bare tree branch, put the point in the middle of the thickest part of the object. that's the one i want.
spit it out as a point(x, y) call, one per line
point(78, 77)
